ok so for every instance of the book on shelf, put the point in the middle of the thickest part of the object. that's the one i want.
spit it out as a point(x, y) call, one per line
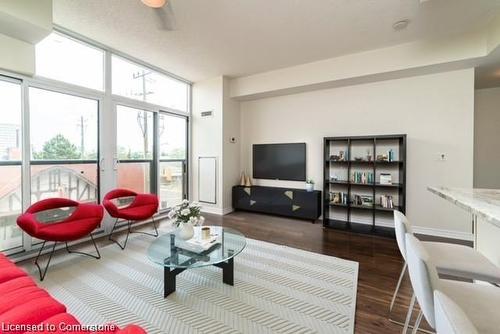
point(362, 177)
point(386, 201)
point(362, 200)
point(385, 178)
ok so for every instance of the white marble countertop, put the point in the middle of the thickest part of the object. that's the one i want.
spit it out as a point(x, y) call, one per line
point(485, 203)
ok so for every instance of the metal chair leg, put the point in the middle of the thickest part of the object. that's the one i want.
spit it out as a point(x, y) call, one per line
point(408, 314)
point(42, 275)
point(115, 241)
point(156, 234)
point(394, 296)
point(86, 254)
point(403, 271)
point(417, 322)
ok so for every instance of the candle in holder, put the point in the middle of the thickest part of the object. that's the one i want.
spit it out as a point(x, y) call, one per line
point(205, 232)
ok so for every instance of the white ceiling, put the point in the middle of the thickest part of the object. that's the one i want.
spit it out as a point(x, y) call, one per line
point(241, 37)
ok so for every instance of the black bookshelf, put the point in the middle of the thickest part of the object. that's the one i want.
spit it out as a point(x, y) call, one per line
point(360, 154)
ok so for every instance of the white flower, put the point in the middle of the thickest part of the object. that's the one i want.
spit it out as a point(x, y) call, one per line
point(193, 220)
point(185, 201)
point(195, 205)
point(185, 212)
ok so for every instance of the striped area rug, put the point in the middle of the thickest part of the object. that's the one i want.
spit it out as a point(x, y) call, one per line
point(277, 289)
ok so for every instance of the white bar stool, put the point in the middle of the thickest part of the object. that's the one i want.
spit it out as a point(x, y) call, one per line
point(450, 318)
point(450, 259)
point(479, 302)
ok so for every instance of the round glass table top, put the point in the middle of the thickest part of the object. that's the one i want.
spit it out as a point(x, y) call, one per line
point(170, 251)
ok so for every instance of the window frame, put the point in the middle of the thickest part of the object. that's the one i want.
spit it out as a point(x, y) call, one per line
point(19, 163)
point(153, 168)
point(185, 161)
point(84, 42)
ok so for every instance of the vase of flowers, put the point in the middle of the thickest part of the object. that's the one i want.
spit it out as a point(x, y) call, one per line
point(185, 216)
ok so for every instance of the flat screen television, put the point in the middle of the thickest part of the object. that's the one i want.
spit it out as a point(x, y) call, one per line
point(279, 161)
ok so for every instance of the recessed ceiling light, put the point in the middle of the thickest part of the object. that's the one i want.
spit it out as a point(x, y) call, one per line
point(154, 3)
point(401, 25)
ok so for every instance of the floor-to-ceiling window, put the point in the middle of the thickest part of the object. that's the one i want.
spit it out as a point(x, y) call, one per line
point(64, 146)
point(87, 106)
point(10, 163)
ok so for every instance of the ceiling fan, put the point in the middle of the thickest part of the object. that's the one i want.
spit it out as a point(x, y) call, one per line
point(163, 12)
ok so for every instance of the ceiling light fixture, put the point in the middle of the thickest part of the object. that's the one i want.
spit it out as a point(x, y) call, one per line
point(154, 3)
point(401, 25)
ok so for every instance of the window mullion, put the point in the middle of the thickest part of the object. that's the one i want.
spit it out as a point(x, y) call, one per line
point(26, 157)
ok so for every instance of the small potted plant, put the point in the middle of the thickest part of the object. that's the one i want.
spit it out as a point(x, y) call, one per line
point(310, 185)
point(185, 216)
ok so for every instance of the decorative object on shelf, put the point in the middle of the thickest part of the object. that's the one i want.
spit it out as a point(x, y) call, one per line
point(248, 182)
point(339, 157)
point(368, 155)
point(334, 177)
point(390, 155)
point(338, 198)
point(242, 180)
point(342, 156)
point(310, 185)
point(382, 157)
point(386, 201)
point(385, 178)
point(358, 159)
point(185, 216)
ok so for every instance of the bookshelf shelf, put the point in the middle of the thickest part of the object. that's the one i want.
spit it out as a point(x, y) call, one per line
point(369, 157)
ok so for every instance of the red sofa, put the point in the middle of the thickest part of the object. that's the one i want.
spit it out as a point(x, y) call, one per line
point(26, 308)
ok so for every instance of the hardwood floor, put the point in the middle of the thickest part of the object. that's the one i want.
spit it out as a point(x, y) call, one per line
point(379, 260)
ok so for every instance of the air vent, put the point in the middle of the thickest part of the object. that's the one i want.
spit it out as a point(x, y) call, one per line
point(207, 113)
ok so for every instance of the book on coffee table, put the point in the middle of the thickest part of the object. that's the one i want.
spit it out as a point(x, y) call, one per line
point(197, 245)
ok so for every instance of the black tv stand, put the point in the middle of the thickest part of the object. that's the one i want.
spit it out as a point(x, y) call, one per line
point(288, 202)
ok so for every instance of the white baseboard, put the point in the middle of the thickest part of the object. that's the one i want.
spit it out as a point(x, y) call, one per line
point(443, 233)
point(212, 210)
point(227, 211)
point(216, 211)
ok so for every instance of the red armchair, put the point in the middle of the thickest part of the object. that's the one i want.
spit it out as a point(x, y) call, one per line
point(143, 207)
point(84, 219)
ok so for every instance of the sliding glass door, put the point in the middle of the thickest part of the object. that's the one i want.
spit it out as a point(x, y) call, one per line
point(135, 149)
point(173, 130)
point(10, 164)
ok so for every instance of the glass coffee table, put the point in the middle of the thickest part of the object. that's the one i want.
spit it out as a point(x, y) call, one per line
point(174, 260)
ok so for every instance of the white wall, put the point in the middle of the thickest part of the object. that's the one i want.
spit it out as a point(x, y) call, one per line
point(435, 111)
point(231, 151)
point(22, 25)
point(206, 138)
point(211, 138)
point(487, 138)
point(16, 55)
